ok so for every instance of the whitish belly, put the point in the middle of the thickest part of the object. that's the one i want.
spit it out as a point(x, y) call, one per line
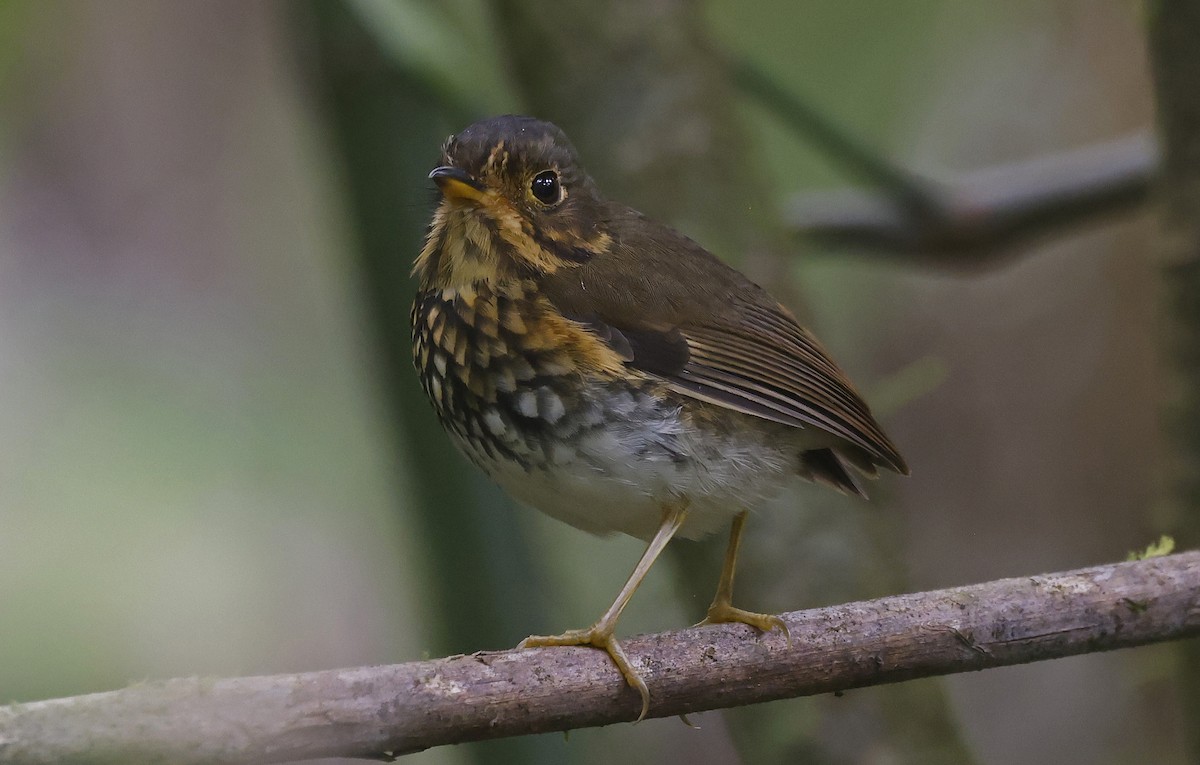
point(618, 475)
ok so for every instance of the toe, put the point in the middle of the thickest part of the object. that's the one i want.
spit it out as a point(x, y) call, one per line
point(720, 613)
point(602, 638)
point(570, 637)
point(614, 650)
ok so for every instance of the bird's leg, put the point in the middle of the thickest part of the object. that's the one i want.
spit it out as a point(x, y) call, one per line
point(722, 608)
point(600, 635)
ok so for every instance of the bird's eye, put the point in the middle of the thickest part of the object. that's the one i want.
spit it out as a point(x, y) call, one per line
point(546, 188)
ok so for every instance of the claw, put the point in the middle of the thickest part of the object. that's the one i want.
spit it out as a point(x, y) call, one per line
point(597, 636)
point(722, 609)
point(600, 635)
point(722, 613)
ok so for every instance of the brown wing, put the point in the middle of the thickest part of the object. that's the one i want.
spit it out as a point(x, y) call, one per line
point(786, 377)
point(712, 334)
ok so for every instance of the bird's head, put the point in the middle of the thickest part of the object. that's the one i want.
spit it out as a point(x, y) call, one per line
point(515, 201)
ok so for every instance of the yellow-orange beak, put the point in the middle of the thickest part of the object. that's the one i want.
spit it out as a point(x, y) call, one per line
point(456, 184)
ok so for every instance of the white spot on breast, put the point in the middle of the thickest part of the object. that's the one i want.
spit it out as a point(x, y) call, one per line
point(439, 362)
point(494, 422)
point(550, 405)
point(527, 404)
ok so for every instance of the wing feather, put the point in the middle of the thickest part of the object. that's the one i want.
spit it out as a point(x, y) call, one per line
point(791, 383)
point(711, 334)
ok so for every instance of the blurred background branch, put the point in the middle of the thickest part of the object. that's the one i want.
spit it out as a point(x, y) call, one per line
point(394, 710)
point(970, 222)
point(988, 216)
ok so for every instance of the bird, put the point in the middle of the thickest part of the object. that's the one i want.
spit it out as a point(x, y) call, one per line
point(612, 373)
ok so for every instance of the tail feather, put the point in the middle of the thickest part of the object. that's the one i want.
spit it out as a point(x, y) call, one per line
point(834, 469)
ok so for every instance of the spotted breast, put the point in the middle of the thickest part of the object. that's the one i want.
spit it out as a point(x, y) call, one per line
point(499, 388)
point(546, 408)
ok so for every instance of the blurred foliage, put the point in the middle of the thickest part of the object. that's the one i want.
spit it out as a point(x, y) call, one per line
point(219, 460)
point(13, 22)
point(448, 46)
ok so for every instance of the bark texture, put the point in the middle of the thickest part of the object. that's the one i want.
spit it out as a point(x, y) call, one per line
point(405, 708)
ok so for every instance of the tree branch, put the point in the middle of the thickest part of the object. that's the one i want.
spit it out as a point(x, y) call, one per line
point(902, 188)
point(976, 220)
point(408, 707)
point(985, 216)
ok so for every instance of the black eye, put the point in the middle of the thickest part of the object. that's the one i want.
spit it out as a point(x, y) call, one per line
point(545, 187)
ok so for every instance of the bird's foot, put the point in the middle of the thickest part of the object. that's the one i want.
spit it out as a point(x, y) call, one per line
point(721, 612)
point(598, 636)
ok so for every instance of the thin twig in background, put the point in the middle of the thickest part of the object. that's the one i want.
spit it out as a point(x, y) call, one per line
point(840, 146)
point(975, 220)
point(984, 216)
point(404, 708)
